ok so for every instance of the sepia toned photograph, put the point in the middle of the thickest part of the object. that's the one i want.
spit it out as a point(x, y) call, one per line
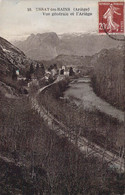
point(62, 97)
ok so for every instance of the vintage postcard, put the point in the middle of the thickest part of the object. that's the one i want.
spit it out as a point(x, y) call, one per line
point(62, 97)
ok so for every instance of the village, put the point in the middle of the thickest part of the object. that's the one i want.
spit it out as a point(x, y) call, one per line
point(37, 71)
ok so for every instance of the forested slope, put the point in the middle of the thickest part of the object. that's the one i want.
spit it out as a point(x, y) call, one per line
point(108, 76)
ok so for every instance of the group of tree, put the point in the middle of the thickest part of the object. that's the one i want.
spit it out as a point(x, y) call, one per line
point(108, 76)
point(52, 66)
point(38, 71)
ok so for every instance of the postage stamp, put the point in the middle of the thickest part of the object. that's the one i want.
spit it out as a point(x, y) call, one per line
point(111, 17)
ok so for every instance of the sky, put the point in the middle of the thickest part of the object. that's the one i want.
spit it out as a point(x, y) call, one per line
point(17, 23)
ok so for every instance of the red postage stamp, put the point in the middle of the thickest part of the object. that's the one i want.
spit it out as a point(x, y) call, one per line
point(111, 17)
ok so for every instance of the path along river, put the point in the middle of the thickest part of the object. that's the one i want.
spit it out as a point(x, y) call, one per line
point(82, 93)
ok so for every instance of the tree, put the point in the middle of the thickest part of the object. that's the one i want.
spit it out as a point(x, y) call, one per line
point(14, 76)
point(71, 72)
point(62, 71)
point(31, 69)
point(55, 66)
point(39, 71)
point(37, 66)
point(28, 76)
point(43, 69)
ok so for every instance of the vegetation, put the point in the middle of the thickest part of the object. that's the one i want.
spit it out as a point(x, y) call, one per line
point(108, 77)
point(40, 162)
point(35, 72)
point(50, 164)
point(96, 126)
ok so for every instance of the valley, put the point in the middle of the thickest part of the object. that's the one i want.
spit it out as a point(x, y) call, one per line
point(47, 135)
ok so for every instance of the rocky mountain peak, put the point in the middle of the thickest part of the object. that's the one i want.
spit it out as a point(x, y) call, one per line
point(40, 46)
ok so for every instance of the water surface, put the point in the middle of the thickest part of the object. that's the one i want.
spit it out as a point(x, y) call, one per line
point(82, 93)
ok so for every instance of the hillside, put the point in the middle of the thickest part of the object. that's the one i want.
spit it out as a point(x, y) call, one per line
point(33, 158)
point(108, 75)
point(47, 46)
point(49, 163)
point(73, 60)
point(11, 59)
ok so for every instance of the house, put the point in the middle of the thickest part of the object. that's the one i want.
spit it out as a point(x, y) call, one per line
point(47, 75)
point(66, 73)
point(53, 72)
point(17, 72)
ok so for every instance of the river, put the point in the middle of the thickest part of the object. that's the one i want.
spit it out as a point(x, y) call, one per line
point(83, 95)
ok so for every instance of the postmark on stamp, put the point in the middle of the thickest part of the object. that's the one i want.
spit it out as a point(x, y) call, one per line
point(111, 17)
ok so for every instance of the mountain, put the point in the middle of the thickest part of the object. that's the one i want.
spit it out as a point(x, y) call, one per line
point(47, 46)
point(41, 46)
point(85, 44)
point(11, 58)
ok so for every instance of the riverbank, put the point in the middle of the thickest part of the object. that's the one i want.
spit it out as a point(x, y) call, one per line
point(95, 126)
point(50, 119)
